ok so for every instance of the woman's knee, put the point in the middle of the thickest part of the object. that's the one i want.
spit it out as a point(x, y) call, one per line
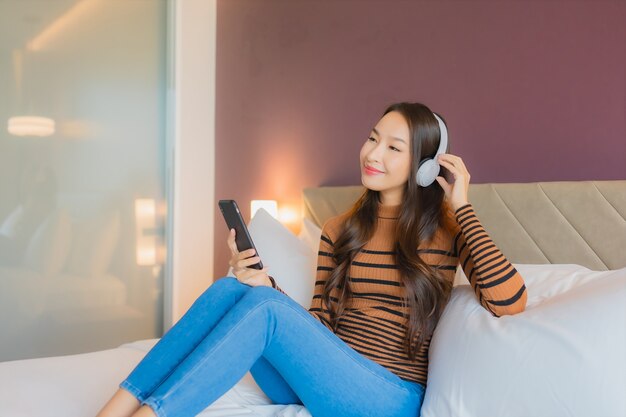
point(226, 283)
point(262, 294)
point(224, 287)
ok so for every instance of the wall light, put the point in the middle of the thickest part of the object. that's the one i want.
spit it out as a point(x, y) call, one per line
point(145, 220)
point(271, 206)
point(31, 126)
point(149, 215)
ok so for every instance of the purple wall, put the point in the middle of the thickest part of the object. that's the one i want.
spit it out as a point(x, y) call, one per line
point(531, 91)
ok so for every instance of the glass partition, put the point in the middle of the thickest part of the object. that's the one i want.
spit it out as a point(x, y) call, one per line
point(82, 174)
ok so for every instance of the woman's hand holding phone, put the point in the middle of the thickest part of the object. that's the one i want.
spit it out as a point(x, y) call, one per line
point(240, 262)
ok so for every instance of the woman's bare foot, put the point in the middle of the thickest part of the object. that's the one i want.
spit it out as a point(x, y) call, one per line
point(122, 404)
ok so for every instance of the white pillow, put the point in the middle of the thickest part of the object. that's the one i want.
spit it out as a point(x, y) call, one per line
point(94, 244)
point(48, 249)
point(310, 235)
point(459, 277)
point(563, 356)
point(291, 261)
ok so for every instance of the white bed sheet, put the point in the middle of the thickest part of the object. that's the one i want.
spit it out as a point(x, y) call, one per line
point(78, 385)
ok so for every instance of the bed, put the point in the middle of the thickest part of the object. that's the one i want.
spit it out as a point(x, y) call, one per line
point(566, 351)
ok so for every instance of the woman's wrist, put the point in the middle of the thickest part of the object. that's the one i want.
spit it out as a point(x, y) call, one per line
point(457, 206)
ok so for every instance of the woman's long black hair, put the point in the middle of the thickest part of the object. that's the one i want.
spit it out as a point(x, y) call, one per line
point(423, 210)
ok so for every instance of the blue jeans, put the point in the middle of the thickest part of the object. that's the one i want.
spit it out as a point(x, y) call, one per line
point(233, 328)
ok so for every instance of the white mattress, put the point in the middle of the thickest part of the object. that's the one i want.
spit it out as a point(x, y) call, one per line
point(78, 385)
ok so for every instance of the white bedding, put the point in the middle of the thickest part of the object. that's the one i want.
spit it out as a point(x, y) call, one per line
point(562, 356)
point(78, 385)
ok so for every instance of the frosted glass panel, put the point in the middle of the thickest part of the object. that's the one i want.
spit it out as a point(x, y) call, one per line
point(82, 174)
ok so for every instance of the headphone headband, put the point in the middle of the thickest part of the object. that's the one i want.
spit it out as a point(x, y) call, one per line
point(429, 168)
point(443, 142)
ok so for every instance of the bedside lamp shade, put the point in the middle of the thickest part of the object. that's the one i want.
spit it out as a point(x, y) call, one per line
point(271, 206)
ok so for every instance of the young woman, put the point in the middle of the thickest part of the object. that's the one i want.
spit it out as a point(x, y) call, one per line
point(385, 273)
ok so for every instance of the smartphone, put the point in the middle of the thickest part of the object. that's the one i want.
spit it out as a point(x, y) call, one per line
point(233, 219)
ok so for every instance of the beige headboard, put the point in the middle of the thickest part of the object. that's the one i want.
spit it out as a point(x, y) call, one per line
point(561, 222)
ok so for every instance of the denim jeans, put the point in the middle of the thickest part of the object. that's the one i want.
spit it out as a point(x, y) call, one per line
point(233, 328)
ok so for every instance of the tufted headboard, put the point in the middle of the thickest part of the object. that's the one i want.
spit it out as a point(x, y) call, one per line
point(561, 222)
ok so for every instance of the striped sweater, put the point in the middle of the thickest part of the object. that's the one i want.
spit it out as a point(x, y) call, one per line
point(374, 323)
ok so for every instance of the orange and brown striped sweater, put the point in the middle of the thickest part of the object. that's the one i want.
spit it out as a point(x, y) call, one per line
point(374, 323)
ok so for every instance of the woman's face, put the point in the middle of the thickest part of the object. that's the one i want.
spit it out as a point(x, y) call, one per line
point(386, 158)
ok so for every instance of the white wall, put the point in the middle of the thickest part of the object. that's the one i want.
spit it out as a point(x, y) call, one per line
point(193, 100)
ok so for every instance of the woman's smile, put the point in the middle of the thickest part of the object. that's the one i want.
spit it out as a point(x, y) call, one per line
point(385, 158)
point(371, 171)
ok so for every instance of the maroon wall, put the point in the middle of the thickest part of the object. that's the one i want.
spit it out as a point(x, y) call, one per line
point(531, 90)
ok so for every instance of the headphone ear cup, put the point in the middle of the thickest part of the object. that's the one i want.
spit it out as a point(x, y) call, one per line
point(427, 172)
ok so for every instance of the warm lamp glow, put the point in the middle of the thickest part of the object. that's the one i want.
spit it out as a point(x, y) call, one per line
point(31, 126)
point(145, 222)
point(146, 256)
point(288, 215)
point(271, 206)
point(145, 208)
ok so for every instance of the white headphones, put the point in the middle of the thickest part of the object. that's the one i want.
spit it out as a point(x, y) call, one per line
point(428, 169)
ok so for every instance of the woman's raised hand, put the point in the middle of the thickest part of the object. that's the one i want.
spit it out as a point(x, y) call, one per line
point(456, 193)
point(240, 262)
